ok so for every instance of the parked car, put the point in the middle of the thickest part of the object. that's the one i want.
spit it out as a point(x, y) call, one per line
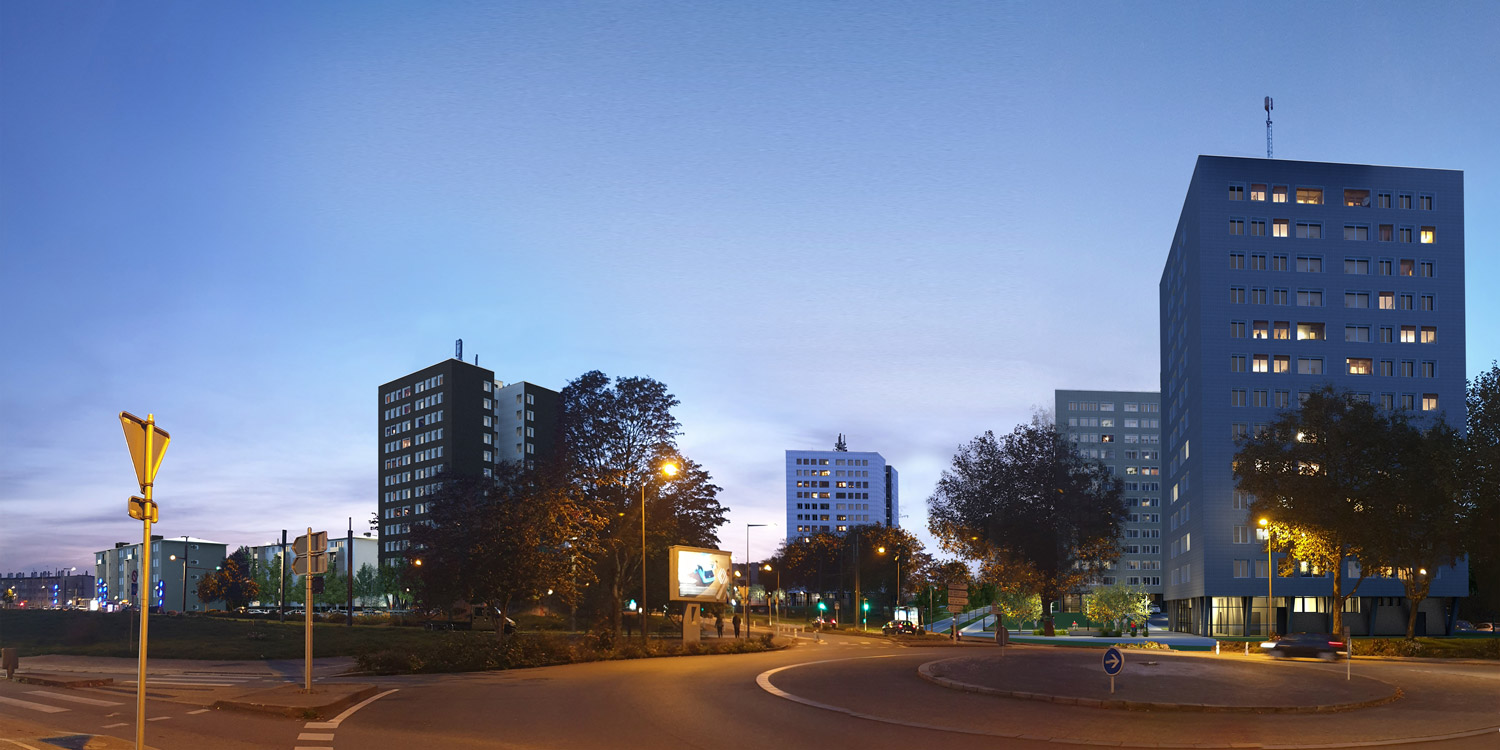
point(1485, 627)
point(900, 627)
point(1463, 626)
point(829, 623)
point(1320, 646)
point(1155, 609)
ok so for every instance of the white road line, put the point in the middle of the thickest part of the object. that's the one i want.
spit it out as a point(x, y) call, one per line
point(121, 724)
point(199, 711)
point(44, 708)
point(320, 725)
point(316, 736)
point(19, 743)
point(350, 710)
point(174, 683)
point(159, 718)
point(75, 698)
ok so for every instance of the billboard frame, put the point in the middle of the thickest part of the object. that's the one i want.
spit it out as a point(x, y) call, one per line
point(674, 558)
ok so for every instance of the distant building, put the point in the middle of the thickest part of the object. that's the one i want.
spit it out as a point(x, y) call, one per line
point(829, 491)
point(1284, 277)
point(366, 552)
point(177, 565)
point(49, 589)
point(1122, 430)
point(451, 417)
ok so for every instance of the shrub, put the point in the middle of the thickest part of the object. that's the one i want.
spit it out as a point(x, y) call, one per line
point(1145, 645)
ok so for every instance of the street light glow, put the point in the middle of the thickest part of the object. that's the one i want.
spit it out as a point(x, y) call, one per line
point(669, 468)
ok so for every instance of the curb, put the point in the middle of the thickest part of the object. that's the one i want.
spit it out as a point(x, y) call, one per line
point(300, 712)
point(64, 682)
point(925, 672)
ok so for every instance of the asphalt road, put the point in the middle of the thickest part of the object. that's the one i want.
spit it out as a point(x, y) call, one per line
point(866, 691)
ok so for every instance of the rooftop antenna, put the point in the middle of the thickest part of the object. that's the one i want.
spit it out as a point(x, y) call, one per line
point(458, 350)
point(1268, 127)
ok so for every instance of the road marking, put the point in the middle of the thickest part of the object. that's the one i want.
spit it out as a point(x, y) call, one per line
point(316, 736)
point(159, 718)
point(75, 698)
point(199, 711)
point(44, 708)
point(121, 724)
point(19, 743)
point(350, 711)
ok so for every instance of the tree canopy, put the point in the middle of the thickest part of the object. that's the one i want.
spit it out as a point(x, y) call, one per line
point(233, 582)
point(1035, 513)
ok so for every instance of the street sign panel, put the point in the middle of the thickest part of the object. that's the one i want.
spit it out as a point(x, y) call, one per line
point(319, 544)
point(310, 565)
point(133, 574)
point(954, 609)
point(135, 437)
point(1114, 661)
point(142, 509)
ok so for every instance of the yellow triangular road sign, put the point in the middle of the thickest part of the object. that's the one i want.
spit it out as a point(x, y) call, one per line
point(135, 437)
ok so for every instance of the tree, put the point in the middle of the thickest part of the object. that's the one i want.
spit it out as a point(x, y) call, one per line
point(1035, 514)
point(232, 582)
point(1117, 602)
point(494, 542)
point(615, 435)
point(268, 579)
point(366, 584)
point(1318, 475)
point(1479, 472)
point(390, 583)
point(1019, 606)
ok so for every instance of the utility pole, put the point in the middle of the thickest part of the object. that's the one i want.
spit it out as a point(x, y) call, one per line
point(349, 571)
point(281, 609)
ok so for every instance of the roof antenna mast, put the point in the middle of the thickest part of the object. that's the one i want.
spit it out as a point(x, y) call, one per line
point(1268, 127)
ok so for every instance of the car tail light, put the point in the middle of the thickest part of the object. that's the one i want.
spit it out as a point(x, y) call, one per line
point(1336, 644)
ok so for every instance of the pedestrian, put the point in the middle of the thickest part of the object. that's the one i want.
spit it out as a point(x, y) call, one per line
point(736, 626)
point(719, 623)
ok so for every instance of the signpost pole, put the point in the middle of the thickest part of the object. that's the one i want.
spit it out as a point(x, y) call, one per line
point(140, 670)
point(307, 619)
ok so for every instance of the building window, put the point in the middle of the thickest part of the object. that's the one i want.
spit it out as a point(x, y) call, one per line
point(1237, 226)
point(1310, 195)
point(1309, 231)
point(1359, 300)
point(1310, 332)
point(1278, 263)
point(1237, 397)
point(1236, 261)
point(1257, 261)
point(1384, 267)
point(1387, 368)
point(1408, 368)
point(1429, 303)
point(1279, 227)
point(1358, 365)
point(1356, 233)
point(1386, 232)
point(1259, 399)
point(1257, 296)
point(1281, 363)
point(1258, 228)
point(1258, 330)
point(1403, 200)
point(1278, 194)
point(1356, 198)
point(1309, 298)
point(1359, 334)
point(1387, 401)
point(1427, 268)
point(1404, 234)
point(1406, 267)
point(1237, 329)
point(1429, 369)
point(1386, 334)
point(1236, 295)
point(1408, 334)
point(1236, 192)
point(1309, 264)
point(1283, 399)
point(1237, 363)
point(1424, 202)
point(1387, 300)
point(1309, 366)
point(1282, 330)
point(1260, 363)
point(1403, 302)
point(1278, 296)
point(1241, 568)
point(1359, 266)
point(1242, 535)
point(1429, 334)
point(1257, 191)
point(1429, 402)
point(1408, 401)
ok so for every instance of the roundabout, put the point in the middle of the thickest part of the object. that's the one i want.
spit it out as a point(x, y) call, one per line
point(1061, 696)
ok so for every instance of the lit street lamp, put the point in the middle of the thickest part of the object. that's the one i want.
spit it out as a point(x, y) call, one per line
point(1265, 525)
point(767, 567)
point(670, 470)
point(896, 602)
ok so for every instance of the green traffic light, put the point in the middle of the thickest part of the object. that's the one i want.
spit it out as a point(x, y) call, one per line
point(822, 607)
point(867, 606)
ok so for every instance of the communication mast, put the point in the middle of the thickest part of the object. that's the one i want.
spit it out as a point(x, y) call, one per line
point(1268, 127)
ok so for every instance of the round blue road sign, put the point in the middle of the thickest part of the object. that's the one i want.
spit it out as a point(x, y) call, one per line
point(1114, 661)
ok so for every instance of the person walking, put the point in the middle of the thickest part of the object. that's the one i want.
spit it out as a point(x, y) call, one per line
point(719, 624)
point(736, 626)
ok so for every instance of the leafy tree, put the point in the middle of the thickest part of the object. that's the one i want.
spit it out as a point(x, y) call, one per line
point(1031, 510)
point(1019, 606)
point(232, 582)
point(268, 579)
point(1479, 472)
point(366, 584)
point(1325, 476)
point(496, 542)
point(390, 584)
point(1116, 602)
point(615, 435)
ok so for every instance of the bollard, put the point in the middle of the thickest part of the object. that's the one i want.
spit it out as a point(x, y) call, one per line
point(1247, 648)
point(1216, 648)
point(9, 661)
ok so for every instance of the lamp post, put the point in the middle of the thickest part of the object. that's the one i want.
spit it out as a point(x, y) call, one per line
point(767, 568)
point(896, 601)
point(1265, 524)
point(670, 470)
point(748, 527)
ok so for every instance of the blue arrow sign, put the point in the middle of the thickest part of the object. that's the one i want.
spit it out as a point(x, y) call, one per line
point(1114, 661)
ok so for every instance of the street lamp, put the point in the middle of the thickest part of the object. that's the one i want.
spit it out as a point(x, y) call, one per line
point(748, 527)
point(1265, 524)
point(670, 470)
point(767, 567)
point(896, 602)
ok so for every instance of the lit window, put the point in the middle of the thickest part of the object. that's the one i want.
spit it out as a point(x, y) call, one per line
point(1357, 198)
point(1259, 329)
point(1281, 364)
point(1358, 365)
point(1278, 228)
point(1278, 194)
point(1259, 363)
point(1257, 191)
point(1429, 334)
point(1282, 330)
point(1427, 233)
point(1310, 195)
point(1387, 300)
point(1408, 334)
point(1310, 331)
point(1429, 402)
point(1407, 266)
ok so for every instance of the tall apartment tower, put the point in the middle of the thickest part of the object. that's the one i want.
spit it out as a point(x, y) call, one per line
point(1122, 430)
point(452, 417)
point(1284, 277)
point(829, 491)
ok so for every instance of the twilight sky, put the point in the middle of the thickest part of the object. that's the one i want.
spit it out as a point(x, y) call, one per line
point(906, 222)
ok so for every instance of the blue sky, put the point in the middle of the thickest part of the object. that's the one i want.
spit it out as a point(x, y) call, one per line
point(904, 222)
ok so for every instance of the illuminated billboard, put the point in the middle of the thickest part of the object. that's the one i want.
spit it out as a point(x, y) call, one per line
point(699, 575)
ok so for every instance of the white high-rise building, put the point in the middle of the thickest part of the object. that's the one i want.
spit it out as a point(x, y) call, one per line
point(830, 491)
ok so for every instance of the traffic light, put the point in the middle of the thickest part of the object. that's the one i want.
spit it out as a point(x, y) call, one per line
point(867, 606)
point(822, 607)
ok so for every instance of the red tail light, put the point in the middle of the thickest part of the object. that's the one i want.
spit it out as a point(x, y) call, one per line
point(1336, 644)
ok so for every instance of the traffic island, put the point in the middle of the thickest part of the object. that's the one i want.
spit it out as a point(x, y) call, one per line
point(1155, 681)
point(324, 701)
point(63, 681)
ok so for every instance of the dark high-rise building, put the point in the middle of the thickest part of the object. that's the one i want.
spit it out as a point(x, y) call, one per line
point(453, 418)
point(1284, 277)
